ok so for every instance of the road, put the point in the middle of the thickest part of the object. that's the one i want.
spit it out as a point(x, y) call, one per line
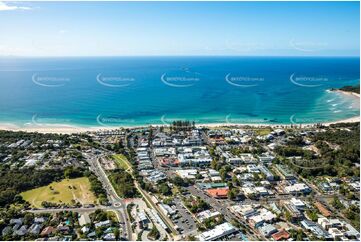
point(79, 210)
point(114, 199)
point(221, 207)
point(150, 202)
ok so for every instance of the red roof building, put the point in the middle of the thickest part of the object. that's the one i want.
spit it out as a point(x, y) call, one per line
point(281, 235)
point(218, 192)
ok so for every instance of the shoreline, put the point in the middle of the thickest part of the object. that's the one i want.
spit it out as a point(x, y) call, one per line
point(72, 129)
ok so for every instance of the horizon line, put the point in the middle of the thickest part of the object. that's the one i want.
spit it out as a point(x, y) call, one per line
point(113, 56)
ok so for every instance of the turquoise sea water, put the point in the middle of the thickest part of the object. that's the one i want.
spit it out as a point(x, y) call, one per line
point(155, 90)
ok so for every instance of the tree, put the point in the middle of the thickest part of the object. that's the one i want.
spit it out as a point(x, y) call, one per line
point(178, 181)
point(116, 233)
point(235, 180)
point(312, 215)
point(233, 193)
point(214, 164)
point(336, 203)
point(71, 172)
point(154, 233)
point(165, 189)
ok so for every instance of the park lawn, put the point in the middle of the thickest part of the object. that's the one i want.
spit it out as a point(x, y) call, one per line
point(121, 161)
point(263, 131)
point(64, 191)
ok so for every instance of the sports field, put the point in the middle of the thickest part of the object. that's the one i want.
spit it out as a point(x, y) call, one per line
point(66, 191)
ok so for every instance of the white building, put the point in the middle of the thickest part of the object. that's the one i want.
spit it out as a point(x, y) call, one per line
point(207, 214)
point(297, 188)
point(219, 232)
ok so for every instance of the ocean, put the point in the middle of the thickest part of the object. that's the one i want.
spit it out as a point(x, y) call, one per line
point(132, 91)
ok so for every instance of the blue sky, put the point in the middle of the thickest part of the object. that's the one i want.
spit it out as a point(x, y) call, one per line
point(180, 28)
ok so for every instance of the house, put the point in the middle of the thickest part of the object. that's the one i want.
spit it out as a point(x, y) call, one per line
point(54, 238)
point(103, 223)
point(278, 132)
point(247, 158)
point(315, 229)
point(297, 203)
point(109, 237)
point(188, 174)
point(267, 230)
point(16, 221)
point(84, 219)
point(285, 172)
point(244, 211)
point(252, 168)
point(35, 229)
point(263, 216)
point(6, 231)
point(336, 233)
point(269, 175)
point(85, 229)
point(234, 160)
point(91, 234)
point(22, 231)
point(351, 232)
point(281, 235)
point(262, 191)
point(293, 211)
point(249, 191)
point(48, 231)
point(39, 220)
point(266, 158)
point(339, 230)
point(63, 229)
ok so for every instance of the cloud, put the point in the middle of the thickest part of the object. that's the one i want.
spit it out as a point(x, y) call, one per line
point(5, 7)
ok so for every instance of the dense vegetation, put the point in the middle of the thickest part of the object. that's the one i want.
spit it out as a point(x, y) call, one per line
point(13, 182)
point(355, 89)
point(97, 188)
point(182, 125)
point(339, 151)
point(196, 205)
point(123, 183)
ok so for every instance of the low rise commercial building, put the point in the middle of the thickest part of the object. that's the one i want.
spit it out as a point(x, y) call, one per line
point(219, 232)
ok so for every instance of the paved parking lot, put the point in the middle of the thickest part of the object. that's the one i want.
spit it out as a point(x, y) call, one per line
point(185, 221)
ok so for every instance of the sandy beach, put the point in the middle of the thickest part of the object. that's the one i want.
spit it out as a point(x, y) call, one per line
point(53, 128)
point(61, 129)
point(69, 129)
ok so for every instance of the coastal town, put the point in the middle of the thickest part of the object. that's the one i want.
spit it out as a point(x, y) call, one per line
point(182, 182)
point(180, 120)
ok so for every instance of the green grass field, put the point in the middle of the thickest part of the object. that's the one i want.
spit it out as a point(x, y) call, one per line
point(61, 192)
point(263, 131)
point(121, 161)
